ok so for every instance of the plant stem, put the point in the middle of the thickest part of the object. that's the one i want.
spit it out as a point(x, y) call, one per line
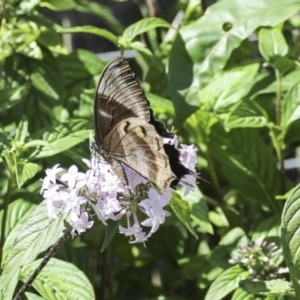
point(278, 121)
point(213, 175)
point(278, 97)
point(47, 257)
point(5, 209)
point(2, 11)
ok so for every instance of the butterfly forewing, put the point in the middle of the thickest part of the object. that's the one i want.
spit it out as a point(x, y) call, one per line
point(118, 97)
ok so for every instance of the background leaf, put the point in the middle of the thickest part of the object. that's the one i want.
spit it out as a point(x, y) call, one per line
point(36, 235)
point(204, 46)
point(290, 239)
point(59, 279)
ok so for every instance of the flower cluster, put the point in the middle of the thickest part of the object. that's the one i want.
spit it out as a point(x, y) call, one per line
point(100, 192)
point(261, 259)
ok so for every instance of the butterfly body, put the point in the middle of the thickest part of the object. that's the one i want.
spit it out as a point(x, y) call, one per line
point(127, 133)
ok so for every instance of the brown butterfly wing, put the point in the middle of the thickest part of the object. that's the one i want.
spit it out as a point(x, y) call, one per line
point(137, 144)
point(118, 97)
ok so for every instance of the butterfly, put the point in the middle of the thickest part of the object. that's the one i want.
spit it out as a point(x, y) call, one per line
point(126, 132)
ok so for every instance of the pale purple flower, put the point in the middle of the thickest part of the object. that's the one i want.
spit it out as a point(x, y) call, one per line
point(157, 217)
point(105, 208)
point(72, 176)
point(111, 183)
point(50, 177)
point(53, 200)
point(130, 230)
point(189, 182)
point(134, 179)
point(156, 200)
point(135, 231)
point(171, 141)
point(80, 223)
point(153, 207)
point(139, 237)
point(188, 156)
point(71, 201)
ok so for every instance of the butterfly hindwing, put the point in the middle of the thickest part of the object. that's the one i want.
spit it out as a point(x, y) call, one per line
point(136, 143)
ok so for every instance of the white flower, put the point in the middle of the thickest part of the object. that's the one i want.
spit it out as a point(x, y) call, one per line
point(156, 200)
point(72, 176)
point(105, 208)
point(80, 223)
point(133, 178)
point(173, 141)
point(53, 200)
point(188, 156)
point(71, 201)
point(50, 177)
point(154, 209)
point(134, 231)
point(189, 181)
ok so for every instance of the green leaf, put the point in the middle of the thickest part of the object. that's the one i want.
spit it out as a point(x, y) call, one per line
point(143, 26)
point(12, 96)
point(247, 163)
point(268, 227)
point(183, 211)
point(46, 77)
point(8, 291)
point(195, 267)
point(218, 217)
point(270, 287)
point(4, 141)
point(58, 5)
point(227, 88)
point(272, 43)
point(25, 171)
point(240, 294)
point(291, 106)
point(246, 114)
point(287, 82)
point(290, 237)
point(41, 84)
point(292, 134)
point(61, 137)
point(9, 160)
point(45, 81)
point(92, 30)
point(199, 210)
point(35, 236)
point(18, 212)
point(226, 282)
point(104, 12)
point(204, 47)
point(232, 240)
point(31, 296)
point(22, 130)
point(59, 280)
point(139, 46)
point(284, 64)
point(160, 105)
point(110, 231)
point(81, 69)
